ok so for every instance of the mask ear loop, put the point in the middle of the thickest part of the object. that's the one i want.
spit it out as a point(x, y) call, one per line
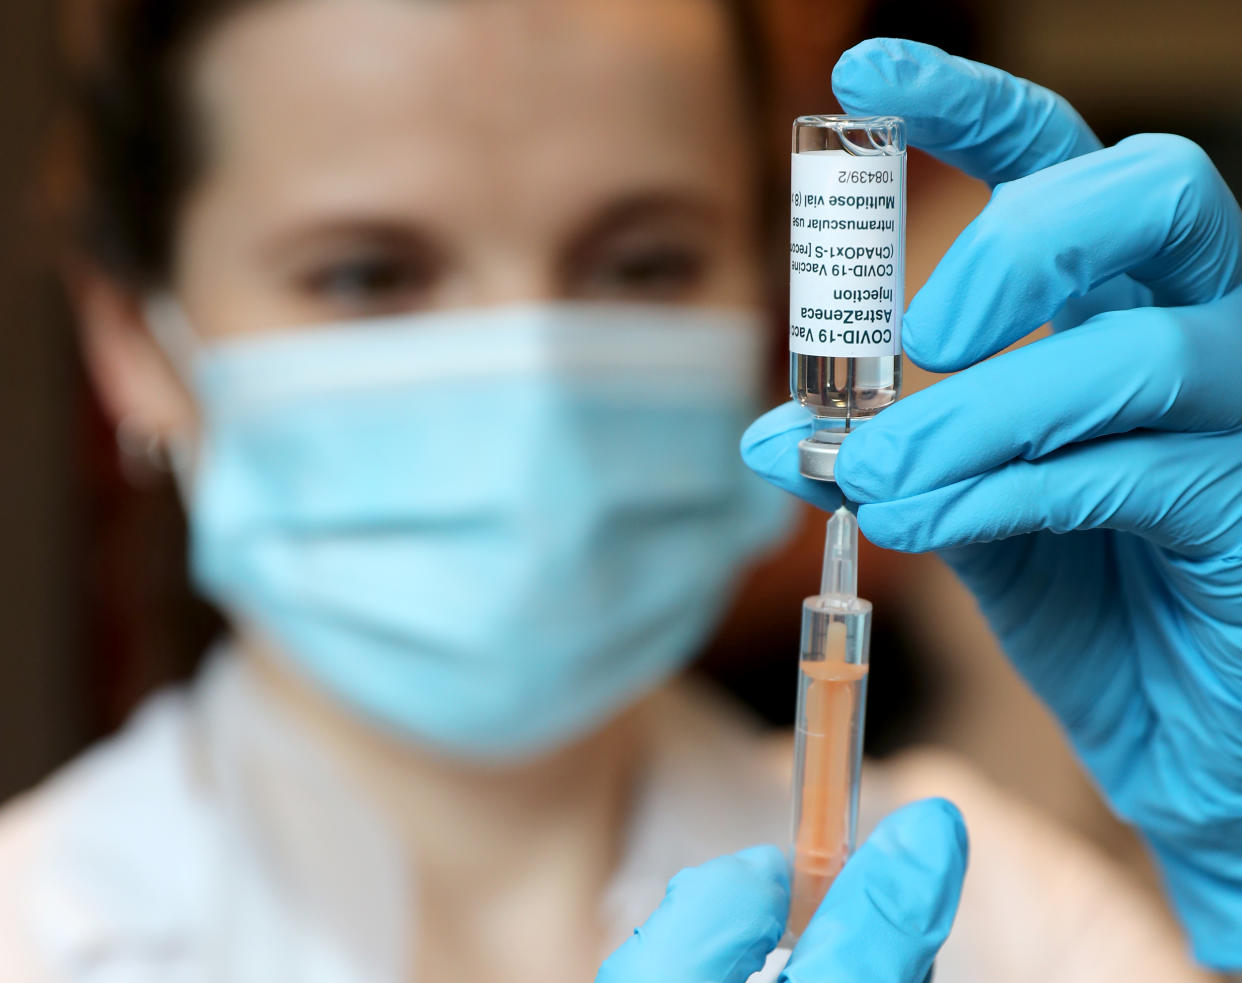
point(174, 333)
point(145, 460)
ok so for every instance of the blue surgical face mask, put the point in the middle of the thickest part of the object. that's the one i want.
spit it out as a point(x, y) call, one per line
point(488, 530)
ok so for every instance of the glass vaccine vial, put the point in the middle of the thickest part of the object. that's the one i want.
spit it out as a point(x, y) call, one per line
point(846, 276)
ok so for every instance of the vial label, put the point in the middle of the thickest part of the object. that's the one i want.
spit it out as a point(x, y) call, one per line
point(847, 260)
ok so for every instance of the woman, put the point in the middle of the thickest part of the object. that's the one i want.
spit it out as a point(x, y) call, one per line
point(442, 310)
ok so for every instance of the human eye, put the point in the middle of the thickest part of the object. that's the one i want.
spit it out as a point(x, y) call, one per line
point(656, 248)
point(367, 281)
point(653, 271)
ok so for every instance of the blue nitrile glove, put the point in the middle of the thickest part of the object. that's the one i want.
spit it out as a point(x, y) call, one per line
point(883, 921)
point(1088, 487)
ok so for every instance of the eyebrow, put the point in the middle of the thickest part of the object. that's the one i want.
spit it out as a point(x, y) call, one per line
point(633, 210)
point(379, 229)
point(643, 206)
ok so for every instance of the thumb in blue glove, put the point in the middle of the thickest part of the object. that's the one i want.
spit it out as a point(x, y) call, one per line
point(717, 922)
point(884, 920)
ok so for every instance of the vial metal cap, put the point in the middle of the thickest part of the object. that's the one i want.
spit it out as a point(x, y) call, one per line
point(817, 457)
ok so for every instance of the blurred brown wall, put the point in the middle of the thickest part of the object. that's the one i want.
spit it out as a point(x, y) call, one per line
point(1128, 58)
point(40, 694)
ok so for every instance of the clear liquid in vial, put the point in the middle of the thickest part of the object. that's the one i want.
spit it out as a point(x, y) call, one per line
point(842, 392)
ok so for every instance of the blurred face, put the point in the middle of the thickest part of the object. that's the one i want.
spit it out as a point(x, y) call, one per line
point(365, 158)
point(371, 157)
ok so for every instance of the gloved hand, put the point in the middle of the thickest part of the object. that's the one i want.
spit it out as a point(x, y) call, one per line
point(884, 920)
point(1088, 487)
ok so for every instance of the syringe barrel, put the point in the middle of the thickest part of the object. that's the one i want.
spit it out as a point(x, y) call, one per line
point(847, 274)
point(832, 693)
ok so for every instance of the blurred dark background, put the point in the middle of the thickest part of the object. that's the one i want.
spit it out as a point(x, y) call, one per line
point(93, 601)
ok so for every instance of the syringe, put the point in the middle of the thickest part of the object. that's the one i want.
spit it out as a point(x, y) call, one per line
point(832, 693)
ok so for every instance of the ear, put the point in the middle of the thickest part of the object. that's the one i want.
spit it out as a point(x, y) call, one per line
point(137, 384)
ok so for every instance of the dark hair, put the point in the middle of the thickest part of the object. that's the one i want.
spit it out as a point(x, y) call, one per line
point(126, 149)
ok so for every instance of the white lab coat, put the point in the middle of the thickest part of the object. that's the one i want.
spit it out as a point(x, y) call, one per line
point(215, 840)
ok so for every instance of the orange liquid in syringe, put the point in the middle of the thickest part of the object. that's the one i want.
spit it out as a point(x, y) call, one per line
point(832, 701)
